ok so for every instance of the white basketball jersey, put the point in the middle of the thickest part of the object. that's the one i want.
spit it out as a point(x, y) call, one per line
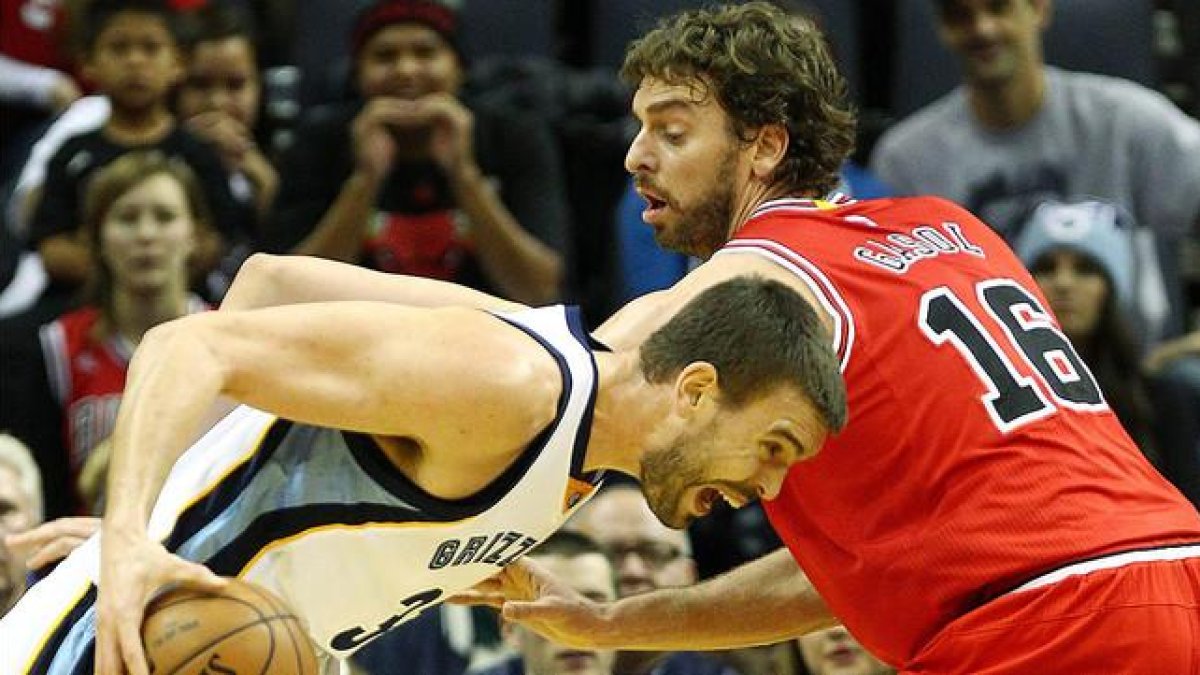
point(324, 520)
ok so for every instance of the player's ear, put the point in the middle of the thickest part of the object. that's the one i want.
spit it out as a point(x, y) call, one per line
point(695, 387)
point(770, 148)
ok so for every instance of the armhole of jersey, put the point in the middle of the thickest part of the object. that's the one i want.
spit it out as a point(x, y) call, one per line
point(56, 359)
point(821, 286)
point(579, 330)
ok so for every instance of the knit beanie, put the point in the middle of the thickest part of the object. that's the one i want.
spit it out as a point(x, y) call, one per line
point(1098, 230)
point(438, 15)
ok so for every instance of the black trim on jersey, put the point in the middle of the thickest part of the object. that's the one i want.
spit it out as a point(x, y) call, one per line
point(199, 515)
point(372, 460)
point(1080, 561)
point(283, 523)
point(575, 325)
point(50, 649)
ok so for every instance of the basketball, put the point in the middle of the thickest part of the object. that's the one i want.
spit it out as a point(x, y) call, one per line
point(243, 629)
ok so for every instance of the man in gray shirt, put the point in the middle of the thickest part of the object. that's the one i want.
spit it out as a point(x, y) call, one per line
point(1018, 132)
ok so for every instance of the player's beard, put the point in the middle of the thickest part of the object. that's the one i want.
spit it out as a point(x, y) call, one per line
point(665, 475)
point(704, 229)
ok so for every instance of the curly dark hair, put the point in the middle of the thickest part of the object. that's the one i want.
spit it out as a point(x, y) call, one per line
point(764, 66)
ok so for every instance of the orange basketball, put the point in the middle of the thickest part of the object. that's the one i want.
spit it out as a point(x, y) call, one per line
point(243, 629)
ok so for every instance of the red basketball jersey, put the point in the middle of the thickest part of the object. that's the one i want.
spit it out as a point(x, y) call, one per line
point(979, 451)
point(87, 376)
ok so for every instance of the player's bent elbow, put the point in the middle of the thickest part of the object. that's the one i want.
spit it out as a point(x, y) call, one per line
point(254, 283)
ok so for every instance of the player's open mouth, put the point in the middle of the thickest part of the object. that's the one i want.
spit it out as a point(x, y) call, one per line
point(842, 655)
point(655, 206)
point(707, 498)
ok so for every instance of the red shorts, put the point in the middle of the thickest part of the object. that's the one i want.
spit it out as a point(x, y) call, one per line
point(1141, 618)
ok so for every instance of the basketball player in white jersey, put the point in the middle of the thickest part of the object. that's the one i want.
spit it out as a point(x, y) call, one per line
point(386, 457)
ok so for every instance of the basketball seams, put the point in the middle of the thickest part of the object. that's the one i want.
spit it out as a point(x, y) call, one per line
point(265, 621)
point(295, 639)
point(265, 611)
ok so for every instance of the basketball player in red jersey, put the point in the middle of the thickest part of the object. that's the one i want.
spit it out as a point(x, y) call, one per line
point(983, 511)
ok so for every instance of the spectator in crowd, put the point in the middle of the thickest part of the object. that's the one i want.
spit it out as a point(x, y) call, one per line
point(581, 563)
point(1174, 369)
point(36, 79)
point(409, 179)
point(220, 98)
point(1082, 257)
point(20, 510)
point(144, 216)
point(834, 651)
point(1018, 132)
point(219, 101)
point(132, 54)
point(645, 555)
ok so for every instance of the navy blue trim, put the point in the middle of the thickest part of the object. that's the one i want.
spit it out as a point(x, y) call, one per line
point(371, 459)
point(199, 515)
point(49, 650)
point(584, 435)
point(283, 523)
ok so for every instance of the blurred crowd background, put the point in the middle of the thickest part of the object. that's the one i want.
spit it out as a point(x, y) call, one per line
point(149, 147)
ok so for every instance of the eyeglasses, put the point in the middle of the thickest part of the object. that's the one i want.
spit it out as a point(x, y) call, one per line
point(656, 553)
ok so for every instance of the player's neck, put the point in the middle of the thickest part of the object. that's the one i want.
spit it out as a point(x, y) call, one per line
point(627, 411)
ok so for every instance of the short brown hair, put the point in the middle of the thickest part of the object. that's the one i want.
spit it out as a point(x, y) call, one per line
point(110, 183)
point(758, 334)
point(764, 66)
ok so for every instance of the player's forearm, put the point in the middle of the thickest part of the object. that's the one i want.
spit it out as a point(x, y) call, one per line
point(523, 267)
point(762, 602)
point(270, 280)
point(172, 384)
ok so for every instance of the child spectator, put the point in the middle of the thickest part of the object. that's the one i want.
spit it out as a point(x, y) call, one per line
point(132, 55)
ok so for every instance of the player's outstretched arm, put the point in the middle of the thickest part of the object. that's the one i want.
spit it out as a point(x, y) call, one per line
point(266, 280)
point(765, 601)
point(370, 367)
point(638, 319)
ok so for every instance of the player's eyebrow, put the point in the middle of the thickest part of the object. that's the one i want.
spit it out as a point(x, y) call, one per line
point(668, 104)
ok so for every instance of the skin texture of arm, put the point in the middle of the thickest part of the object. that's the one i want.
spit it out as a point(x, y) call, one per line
point(269, 280)
point(642, 316)
point(331, 364)
point(761, 602)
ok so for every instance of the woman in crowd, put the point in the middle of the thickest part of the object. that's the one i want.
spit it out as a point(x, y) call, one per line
point(144, 216)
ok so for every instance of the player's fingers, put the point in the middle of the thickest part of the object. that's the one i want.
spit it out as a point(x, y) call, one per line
point(54, 551)
point(528, 611)
point(108, 649)
point(133, 652)
point(476, 598)
point(197, 575)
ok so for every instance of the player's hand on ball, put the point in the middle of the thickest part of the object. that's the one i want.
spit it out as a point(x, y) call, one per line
point(132, 569)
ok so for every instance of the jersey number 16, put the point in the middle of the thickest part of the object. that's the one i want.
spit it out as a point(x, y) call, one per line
point(1012, 398)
